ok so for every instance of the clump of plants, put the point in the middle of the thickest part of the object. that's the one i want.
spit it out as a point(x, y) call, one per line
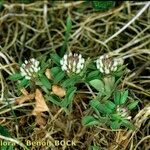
point(58, 79)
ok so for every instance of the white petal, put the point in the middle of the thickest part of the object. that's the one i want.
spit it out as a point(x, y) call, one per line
point(21, 69)
point(82, 66)
point(32, 60)
point(23, 65)
point(65, 57)
point(23, 73)
point(65, 61)
point(61, 61)
point(70, 54)
point(69, 65)
point(27, 77)
point(115, 68)
point(115, 63)
point(29, 74)
point(26, 62)
point(36, 69)
point(101, 63)
point(101, 70)
point(107, 71)
point(74, 64)
point(106, 56)
point(82, 60)
point(31, 69)
point(123, 114)
point(80, 56)
point(101, 57)
point(129, 117)
point(64, 67)
point(112, 68)
point(120, 61)
point(73, 69)
point(78, 66)
point(68, 71)
point(97, 65)
point(109, 65)
point(36, 63)
point(78, 71)
point(39, 68)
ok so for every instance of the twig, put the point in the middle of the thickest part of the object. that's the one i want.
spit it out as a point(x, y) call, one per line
point(130, 22)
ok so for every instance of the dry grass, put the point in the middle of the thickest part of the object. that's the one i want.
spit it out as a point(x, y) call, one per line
point(37, 29)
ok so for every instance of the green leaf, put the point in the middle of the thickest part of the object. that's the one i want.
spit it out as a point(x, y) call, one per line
point(124, 96)
point(94, 148)
point(67, 35)
point(69, 97)
point(106, 109)
point(68, 28)
point(117, 97)
point(45, 82)
point(24, 83)
point(110, 105)
point(25, 1)
point(98, 85)
point(59, 77)
point(132, 105)
point(120, 71)
point(71, 81)
point(127, 124)
point(1, 5)
point(55, 71)
point(116, 117)
point(8, 147)
point(54, 99)
point(95, 104)
point(102, 5)
point(99, 108)
point(93, 75)
point(89, 120)
point(55, 59)
point(15, 77)
point(4, 131)
point(115, 125)
point(109, 83)
point(57, 74)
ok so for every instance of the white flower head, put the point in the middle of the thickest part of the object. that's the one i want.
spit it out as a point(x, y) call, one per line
point(124, 112)
point(72, 63)
point(107, 64)
point(30, 68)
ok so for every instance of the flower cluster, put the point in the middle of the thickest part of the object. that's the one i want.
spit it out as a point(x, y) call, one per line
point(72, 63)
point(124, 113)
point(30, 68)
point(107, 64)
